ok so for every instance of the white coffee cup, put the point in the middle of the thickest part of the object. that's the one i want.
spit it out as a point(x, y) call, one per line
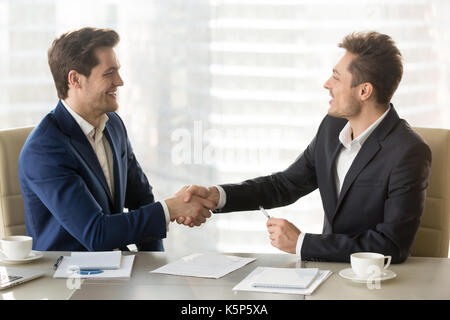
point(16, 247)
point(365, 264)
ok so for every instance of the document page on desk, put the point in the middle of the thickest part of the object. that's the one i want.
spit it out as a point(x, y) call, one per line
point(204, 265)
point(106, 260)
point(290, 278)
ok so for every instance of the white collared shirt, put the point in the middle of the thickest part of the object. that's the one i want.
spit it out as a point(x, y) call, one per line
point(103, 150)
point(343, 162)
point(350, 150)
point(99, 144)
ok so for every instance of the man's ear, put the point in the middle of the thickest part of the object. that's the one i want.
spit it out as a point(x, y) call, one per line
point(365, 91)
point(74, 79)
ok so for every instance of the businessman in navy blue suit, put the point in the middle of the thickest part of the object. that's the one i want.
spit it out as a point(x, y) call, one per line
point(370, 167)
point(77, 169)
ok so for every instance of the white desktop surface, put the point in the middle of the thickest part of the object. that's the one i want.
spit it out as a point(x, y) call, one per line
point(150, 286)
point(43, 288)
point(417, 278)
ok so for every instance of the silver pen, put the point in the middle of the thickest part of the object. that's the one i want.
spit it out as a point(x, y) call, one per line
point(264, 212)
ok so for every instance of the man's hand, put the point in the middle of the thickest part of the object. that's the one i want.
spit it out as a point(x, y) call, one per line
point(197, 209)
point(283, 234)
point(190, 192)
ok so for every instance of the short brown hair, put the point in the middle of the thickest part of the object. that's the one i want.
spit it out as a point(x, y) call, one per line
point(75, 51)
point(378, 61)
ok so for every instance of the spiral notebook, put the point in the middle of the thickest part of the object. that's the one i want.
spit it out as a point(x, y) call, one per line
point(285, 278)
point(281, 283)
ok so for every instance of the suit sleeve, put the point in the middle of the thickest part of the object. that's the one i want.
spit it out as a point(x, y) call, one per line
point(403, 208)
point(54, 179)
point(276, 190)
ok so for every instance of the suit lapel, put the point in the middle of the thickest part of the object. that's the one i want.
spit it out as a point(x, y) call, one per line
point(69, 126)
point(331, 185)
point(113, 139)
point(368, 151)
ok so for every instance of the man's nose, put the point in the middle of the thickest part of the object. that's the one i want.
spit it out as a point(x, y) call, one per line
point(326, 85)
point(118, 82)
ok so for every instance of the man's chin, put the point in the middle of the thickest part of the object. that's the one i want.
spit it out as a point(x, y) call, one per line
point(113, 107)
point(334, 113)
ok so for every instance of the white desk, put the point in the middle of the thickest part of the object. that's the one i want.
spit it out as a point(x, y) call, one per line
point(417, 278)
point(43, 288)
point(143, 285)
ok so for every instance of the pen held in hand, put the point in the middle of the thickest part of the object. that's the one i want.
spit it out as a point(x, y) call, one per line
point(264, 212)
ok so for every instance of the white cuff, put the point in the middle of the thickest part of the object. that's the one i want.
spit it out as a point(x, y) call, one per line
point(166, 213)
point(298, 249)
point(222, 197)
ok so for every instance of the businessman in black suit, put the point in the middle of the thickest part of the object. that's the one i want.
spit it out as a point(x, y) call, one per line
point(371, 168)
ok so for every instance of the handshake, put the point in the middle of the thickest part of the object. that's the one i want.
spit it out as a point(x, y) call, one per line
point(192, 205)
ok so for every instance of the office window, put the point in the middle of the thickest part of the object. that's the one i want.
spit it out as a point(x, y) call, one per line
point(222, 91)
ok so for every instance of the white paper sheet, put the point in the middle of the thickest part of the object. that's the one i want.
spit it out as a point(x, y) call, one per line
point(204, 265)
point(66, 270)
point(105, 260)
point(247, 283)
point(286, 278)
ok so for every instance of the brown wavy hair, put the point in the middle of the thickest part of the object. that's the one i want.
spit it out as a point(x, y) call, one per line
point(378, 61)
point(74, 50)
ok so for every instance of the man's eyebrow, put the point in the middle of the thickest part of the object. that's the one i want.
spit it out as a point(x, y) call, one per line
point(335, 71)
point(112, 69)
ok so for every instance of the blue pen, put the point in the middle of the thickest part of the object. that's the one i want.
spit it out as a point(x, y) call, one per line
point(58, 262)
point(89, 272)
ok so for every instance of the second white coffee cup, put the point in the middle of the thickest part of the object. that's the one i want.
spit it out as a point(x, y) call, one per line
point(16, 247)
point(365, 264)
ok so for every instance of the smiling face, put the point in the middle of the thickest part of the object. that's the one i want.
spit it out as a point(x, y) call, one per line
point(344, 102)
point(99, 90)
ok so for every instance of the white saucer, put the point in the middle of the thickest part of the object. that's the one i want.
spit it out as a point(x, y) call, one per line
point(34, 255)
point(350, 275)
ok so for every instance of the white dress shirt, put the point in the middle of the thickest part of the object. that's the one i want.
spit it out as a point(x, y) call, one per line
point(99, 143)
point(343, 162)
point(103, 150)
point(350, 150)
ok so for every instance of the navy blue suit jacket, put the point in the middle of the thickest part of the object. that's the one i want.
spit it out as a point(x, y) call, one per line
point(382, 197)
point(68, 205)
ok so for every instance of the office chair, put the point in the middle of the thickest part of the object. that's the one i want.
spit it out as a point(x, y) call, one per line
point(432, 239)
point(12, 213)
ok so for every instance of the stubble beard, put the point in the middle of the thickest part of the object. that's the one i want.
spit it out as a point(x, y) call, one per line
point(352, 109)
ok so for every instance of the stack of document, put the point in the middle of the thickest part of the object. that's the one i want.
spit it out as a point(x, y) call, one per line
point(106, 260)
point(284, 280)
point(107, 264)
point(205, 265)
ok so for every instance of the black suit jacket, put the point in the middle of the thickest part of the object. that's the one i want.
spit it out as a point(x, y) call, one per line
point(382, 197)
